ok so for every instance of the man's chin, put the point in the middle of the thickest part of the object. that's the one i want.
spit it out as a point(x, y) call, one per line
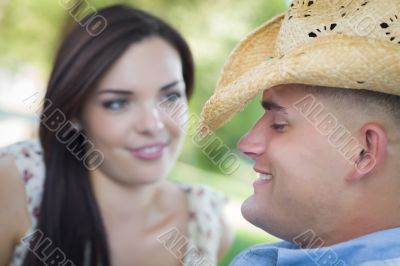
point(254, 214)
point(250, 211)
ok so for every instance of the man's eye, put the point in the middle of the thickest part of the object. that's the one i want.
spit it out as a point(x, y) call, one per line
point(278, 127)
point(115, 104)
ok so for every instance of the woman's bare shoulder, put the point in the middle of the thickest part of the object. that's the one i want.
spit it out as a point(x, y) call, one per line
point(14, 218)
point(9, 176)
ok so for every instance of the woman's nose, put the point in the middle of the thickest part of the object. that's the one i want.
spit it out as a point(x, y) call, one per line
point(150, 121)
point(253, 143)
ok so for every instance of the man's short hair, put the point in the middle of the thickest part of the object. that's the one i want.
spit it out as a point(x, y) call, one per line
point(367, 102)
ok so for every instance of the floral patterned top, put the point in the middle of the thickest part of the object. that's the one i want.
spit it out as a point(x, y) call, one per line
point(205, 210)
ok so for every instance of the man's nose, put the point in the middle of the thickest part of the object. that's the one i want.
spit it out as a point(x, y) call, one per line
point(150, 121)
point(253, 143)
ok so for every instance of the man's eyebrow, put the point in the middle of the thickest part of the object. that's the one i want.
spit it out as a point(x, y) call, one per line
point(271, 106)
point(128, 92)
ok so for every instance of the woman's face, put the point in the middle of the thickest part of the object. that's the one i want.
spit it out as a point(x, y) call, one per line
point(140, 141)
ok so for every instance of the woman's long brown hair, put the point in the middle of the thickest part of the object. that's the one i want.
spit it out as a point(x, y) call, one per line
point(69, 214)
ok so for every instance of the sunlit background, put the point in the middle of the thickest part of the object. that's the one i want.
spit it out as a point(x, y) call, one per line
point(30, 32)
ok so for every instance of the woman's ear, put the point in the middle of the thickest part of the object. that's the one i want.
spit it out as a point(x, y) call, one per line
point(374, 139)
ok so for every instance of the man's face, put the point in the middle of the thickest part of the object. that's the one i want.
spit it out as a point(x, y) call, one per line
point(308, 188)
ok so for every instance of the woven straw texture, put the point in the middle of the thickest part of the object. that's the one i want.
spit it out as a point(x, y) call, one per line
point(333, 43)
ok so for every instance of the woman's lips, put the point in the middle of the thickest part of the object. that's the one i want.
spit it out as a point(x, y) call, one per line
point(149, 152)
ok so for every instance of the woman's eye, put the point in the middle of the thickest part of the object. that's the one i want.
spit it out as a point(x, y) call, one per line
point(173, 96)
point(115, 104)
point(278, 127)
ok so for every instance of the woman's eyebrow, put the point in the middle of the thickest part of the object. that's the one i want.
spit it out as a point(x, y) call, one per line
point(170, 85)
point(272, 106)
point(129, 92)
point(116, 91)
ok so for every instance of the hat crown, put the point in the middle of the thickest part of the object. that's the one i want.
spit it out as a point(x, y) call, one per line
point(308, 20)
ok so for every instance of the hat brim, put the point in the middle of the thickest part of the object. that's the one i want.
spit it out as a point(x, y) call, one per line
point(332, 61)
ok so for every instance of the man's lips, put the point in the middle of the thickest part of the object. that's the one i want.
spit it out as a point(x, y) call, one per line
point(263, 178)
point(262, 173)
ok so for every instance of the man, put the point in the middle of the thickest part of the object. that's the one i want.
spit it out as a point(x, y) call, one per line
point(327, 149)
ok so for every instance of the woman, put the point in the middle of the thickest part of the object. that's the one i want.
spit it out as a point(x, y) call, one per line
point(95, 183)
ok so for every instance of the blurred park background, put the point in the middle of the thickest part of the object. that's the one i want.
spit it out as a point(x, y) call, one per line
point(30, 32)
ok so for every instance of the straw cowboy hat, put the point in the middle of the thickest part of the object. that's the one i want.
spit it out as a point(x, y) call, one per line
point(333, 43)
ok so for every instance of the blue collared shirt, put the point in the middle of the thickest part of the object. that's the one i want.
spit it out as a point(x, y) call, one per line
point(380, 248)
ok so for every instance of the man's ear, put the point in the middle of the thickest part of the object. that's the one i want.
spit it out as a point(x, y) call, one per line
point(374, 138)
